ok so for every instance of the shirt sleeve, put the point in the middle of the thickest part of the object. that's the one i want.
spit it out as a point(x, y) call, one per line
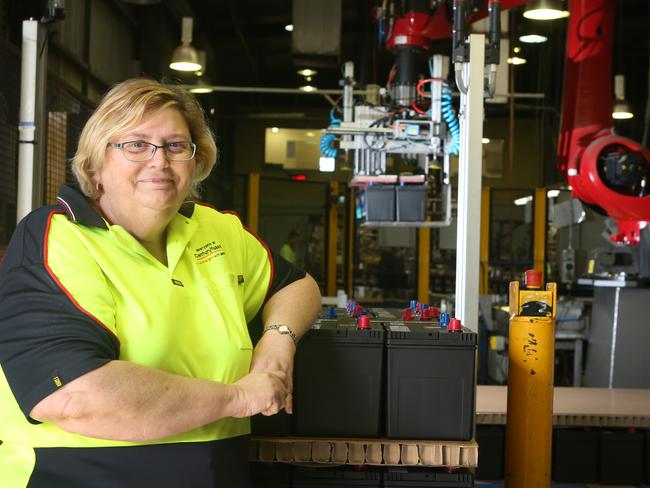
point(47, 336)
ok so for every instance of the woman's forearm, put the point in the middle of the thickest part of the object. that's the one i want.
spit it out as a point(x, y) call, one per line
point(296, 305)
point(129, 402)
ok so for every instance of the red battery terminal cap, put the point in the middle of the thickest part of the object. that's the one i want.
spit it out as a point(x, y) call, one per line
point(454, 325)
point(426, 314)
point(363, 322)
point(533, 278)
point(407, 314)
point(435, 312)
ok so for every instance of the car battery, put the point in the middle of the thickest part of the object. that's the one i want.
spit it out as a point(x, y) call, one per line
point(427, 477)
point(386, 314)
point(575, 455)
point(377, 203)
point(647, 457)
point(621, 457)
point(338, 381)
point(280, 424)
point(430, 392)
point(491, 440)
point(411, 203)
point(331, 477)
point(270, 475)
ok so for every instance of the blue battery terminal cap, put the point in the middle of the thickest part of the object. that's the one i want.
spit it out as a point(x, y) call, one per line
point(444, 319)
point(331, 313)
point(413, 304)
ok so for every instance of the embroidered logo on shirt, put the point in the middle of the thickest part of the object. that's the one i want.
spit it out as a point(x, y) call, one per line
point(208, 252)
point(240, 279)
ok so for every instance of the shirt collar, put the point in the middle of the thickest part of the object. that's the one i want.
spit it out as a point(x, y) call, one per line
point(78, 208)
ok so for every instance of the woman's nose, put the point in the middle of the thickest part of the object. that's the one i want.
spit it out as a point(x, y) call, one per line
point(159, 158)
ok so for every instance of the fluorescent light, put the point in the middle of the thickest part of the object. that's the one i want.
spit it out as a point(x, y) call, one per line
point(308, 88)
point(523, 200)
point(516, 60)
point(288, 27)
point(201, 89)
point(622, 115)
point(546, 14)
point(306, 72)
point(275, 130)
point(552, 193)
point(326, 165)
point(485, 140)
point(184, 66)
point(533, 38)
point(309, 134)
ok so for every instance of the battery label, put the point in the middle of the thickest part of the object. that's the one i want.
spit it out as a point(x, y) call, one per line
point(399, 328)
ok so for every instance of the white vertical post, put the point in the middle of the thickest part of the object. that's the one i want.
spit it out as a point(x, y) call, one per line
point(469, 186)
point(27, 123)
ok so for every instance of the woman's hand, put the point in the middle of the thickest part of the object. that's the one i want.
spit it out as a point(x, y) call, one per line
point(260, 392)
point(274, 352)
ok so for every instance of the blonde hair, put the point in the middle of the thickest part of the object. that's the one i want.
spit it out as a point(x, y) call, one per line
point(122, 109)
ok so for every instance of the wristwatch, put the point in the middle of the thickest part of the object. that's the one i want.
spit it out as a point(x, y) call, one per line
point(281, 329)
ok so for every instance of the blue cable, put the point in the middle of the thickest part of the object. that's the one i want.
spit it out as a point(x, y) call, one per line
point(449, 114)
point(326, 140)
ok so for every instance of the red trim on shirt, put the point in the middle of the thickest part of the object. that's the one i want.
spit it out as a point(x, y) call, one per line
point(56, 280)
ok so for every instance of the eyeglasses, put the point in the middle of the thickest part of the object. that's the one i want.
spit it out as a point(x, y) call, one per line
point(141, 151)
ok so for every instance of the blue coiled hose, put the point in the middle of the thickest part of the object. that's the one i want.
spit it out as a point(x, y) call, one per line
point(326, 140)
point(449, 114)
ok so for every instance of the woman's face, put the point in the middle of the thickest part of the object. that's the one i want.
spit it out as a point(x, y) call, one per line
point(157, 184)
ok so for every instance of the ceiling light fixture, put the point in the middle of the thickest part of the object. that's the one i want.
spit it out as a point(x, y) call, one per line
point(203, 84)
point(185, 57)
point(307, 72)
point(621, 110)
point(201, 87)
point(533, 38)
point(545, 10)
point(485, 140)
point(552, 193)
point(516, 60)
point(520, 202)
point(308, 88)
point(275, 130)
point(288, 27)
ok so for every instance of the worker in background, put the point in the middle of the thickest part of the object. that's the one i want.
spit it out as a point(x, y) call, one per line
point(125, 352)
point(288, 250)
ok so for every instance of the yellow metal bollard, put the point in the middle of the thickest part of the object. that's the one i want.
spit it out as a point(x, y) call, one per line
point(529, 426)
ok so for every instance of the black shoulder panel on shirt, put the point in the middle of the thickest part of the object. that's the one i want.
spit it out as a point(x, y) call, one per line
point(284, 273)
point(45, 340)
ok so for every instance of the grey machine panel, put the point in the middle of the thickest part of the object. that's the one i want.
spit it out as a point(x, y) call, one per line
point(619, 338)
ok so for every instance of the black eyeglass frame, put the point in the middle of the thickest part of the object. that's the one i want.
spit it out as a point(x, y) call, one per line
point(120, 146)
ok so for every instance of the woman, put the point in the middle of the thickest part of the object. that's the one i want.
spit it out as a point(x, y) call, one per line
point(125, 353)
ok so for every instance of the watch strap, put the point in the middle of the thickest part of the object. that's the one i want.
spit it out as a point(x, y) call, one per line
point(283, 329)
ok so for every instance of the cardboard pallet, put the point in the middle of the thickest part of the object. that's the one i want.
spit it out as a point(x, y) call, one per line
point(379, 452)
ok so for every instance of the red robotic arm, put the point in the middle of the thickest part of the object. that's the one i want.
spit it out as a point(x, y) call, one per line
point(604, 170)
